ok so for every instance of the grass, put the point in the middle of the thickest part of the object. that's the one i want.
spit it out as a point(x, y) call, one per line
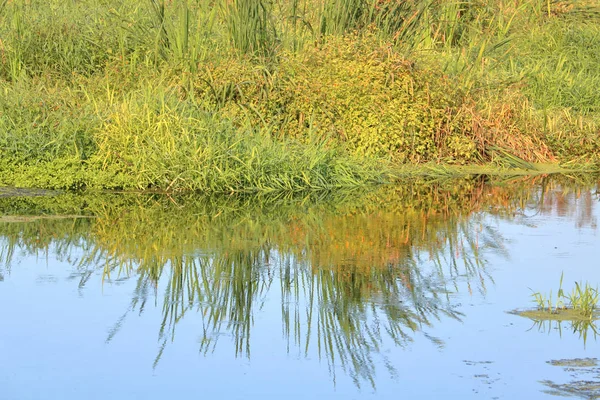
point(580, 303)
point(291, 95)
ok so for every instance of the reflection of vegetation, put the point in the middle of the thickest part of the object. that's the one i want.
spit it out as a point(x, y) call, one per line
point(350, 274)
point(347, 314)
point(352, 271)
point(569, 198)
point(583, 328)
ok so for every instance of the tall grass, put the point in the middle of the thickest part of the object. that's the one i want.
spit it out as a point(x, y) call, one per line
point(250, 25)
point(562, 63)
point(363, 82)
point(173, 146)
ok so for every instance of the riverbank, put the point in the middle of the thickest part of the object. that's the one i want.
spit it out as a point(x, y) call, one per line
point(256, 96)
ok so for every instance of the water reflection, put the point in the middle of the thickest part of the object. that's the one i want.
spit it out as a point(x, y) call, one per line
point(350, 273)
point(583, 328)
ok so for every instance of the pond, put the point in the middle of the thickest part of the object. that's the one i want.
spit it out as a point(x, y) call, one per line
point(399, 292)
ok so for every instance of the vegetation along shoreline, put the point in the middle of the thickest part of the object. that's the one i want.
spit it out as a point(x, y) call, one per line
point(234, 96)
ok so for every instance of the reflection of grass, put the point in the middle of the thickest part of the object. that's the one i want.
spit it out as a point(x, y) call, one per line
point(546, 322)
point(351, 273)
point(328, 311)
point(354, 271)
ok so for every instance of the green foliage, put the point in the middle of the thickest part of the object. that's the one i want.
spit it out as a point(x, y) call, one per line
point(357, 90)
point(40, 123)
point(63, 38)
point(561, 60)
point(351, 83)
point(250, 25)
point(166, 143)
point(60, 173)
point(351, 89)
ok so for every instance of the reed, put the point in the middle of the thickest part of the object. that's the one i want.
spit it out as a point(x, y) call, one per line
point(250, 26)
point(363, 81)
point(581, 302)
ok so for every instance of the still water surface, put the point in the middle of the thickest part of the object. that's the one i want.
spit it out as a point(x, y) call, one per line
point(404, 292)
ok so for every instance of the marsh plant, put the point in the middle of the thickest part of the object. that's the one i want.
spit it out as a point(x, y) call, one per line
point(580, 303)
point(290, 95)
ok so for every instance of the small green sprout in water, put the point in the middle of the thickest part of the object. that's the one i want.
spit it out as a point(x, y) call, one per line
point(582, 300)
point(545, 303)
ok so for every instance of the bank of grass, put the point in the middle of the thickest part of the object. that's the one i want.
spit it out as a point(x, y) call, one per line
point(292, 95)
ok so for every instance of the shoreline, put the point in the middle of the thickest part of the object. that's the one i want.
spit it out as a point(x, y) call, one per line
point(394, 176)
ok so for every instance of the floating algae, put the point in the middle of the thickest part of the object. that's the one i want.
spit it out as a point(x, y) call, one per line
point(575, 363)
point(24, 192)
point(32, 218)
point(586, 384)
point(561, 314)
point(545, 321)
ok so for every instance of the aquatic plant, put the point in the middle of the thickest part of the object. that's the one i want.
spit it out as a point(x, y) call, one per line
point(584, 299)
point(580, 303)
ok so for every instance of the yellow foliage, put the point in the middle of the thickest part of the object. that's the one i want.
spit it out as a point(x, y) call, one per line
point(359, 91)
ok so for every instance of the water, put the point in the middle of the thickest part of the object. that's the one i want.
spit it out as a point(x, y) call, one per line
point(402, 292)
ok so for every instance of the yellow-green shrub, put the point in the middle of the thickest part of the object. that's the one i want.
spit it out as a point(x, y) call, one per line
point(350, 89)
point(359, 91)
